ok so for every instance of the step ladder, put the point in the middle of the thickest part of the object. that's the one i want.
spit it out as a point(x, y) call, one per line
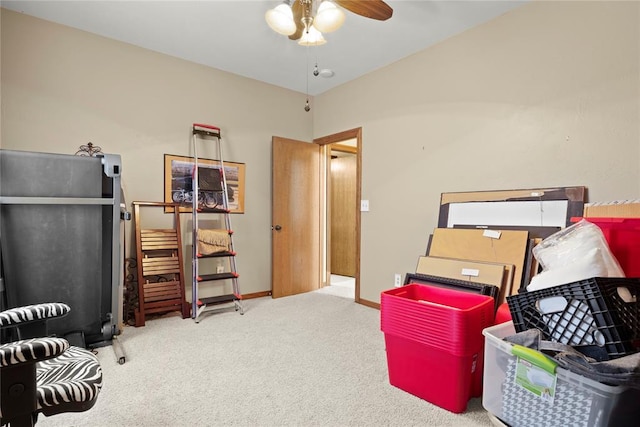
point(160, 271)
point(210, 196)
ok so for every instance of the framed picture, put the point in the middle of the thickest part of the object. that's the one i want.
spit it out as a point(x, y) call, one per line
point(454, 284)
point(178, 183)
point(512, 207)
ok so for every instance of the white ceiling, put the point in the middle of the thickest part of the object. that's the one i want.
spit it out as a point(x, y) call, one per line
point(233, 35)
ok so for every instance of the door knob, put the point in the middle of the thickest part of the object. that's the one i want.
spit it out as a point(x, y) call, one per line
point(278, 228)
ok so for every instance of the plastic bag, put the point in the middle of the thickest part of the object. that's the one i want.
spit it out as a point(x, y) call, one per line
point(573, 244)
point(590, 265)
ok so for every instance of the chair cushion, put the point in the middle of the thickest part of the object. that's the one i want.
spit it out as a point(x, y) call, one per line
point(28, 351)
point(18, 315)
point(74, 377)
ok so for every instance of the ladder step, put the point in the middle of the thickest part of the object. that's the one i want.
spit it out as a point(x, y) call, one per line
point(163, 308)
point(216, 276)
point(222, 299)
point(202, 129)
point(213, 210)
point(160, 270)
point(217, 254)
point(158, 305)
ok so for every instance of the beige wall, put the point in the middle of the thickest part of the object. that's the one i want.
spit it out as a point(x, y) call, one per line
point(62, 88)
point(546, 95)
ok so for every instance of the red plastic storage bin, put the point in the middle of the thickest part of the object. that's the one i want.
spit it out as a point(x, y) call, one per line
point(623, 237)
point(434, 342)
point(503, 314)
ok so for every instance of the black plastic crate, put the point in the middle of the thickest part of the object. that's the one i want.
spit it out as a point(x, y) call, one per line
point(589, 315)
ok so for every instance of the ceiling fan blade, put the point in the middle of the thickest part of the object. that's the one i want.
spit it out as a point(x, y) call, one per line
point(296, 7)
point(374, 9)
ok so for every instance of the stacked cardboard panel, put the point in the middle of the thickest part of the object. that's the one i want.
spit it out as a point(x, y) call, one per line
point(487, 237)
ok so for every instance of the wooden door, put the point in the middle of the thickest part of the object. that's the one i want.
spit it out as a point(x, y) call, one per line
point(343, 216)
point(295, 216)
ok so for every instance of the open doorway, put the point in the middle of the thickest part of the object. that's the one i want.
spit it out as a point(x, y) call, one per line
point(341, 218)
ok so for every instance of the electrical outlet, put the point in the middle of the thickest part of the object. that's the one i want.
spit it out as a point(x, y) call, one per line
point(397, 280)
point(220, 269)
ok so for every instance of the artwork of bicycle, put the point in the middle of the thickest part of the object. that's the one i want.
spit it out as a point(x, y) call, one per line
point(178, 171)
point(209, 199)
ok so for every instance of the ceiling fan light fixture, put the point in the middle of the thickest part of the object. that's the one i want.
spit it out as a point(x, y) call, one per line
point(329, 17)
point(312, 37)
point(280, 19)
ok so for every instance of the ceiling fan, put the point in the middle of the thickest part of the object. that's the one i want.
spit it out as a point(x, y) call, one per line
point(306, 20)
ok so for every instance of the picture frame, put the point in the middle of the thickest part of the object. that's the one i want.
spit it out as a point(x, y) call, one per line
point(454, 284)
point(178, 173)
point(567, 202)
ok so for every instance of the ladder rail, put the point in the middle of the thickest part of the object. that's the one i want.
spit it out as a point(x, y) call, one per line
point(194, 210)
point(227, 217)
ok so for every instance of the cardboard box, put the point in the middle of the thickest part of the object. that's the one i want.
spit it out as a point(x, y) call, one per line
point(614, 209)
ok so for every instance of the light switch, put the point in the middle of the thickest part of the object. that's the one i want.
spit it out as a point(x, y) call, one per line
point(364, 206)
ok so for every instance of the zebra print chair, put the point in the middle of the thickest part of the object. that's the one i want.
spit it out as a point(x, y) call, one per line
point(43, 375)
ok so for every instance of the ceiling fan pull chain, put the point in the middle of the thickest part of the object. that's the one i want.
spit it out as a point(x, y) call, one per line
point(316, 70)
point(307, 107)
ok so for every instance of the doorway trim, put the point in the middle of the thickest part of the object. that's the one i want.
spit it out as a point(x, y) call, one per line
point(324, 141)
